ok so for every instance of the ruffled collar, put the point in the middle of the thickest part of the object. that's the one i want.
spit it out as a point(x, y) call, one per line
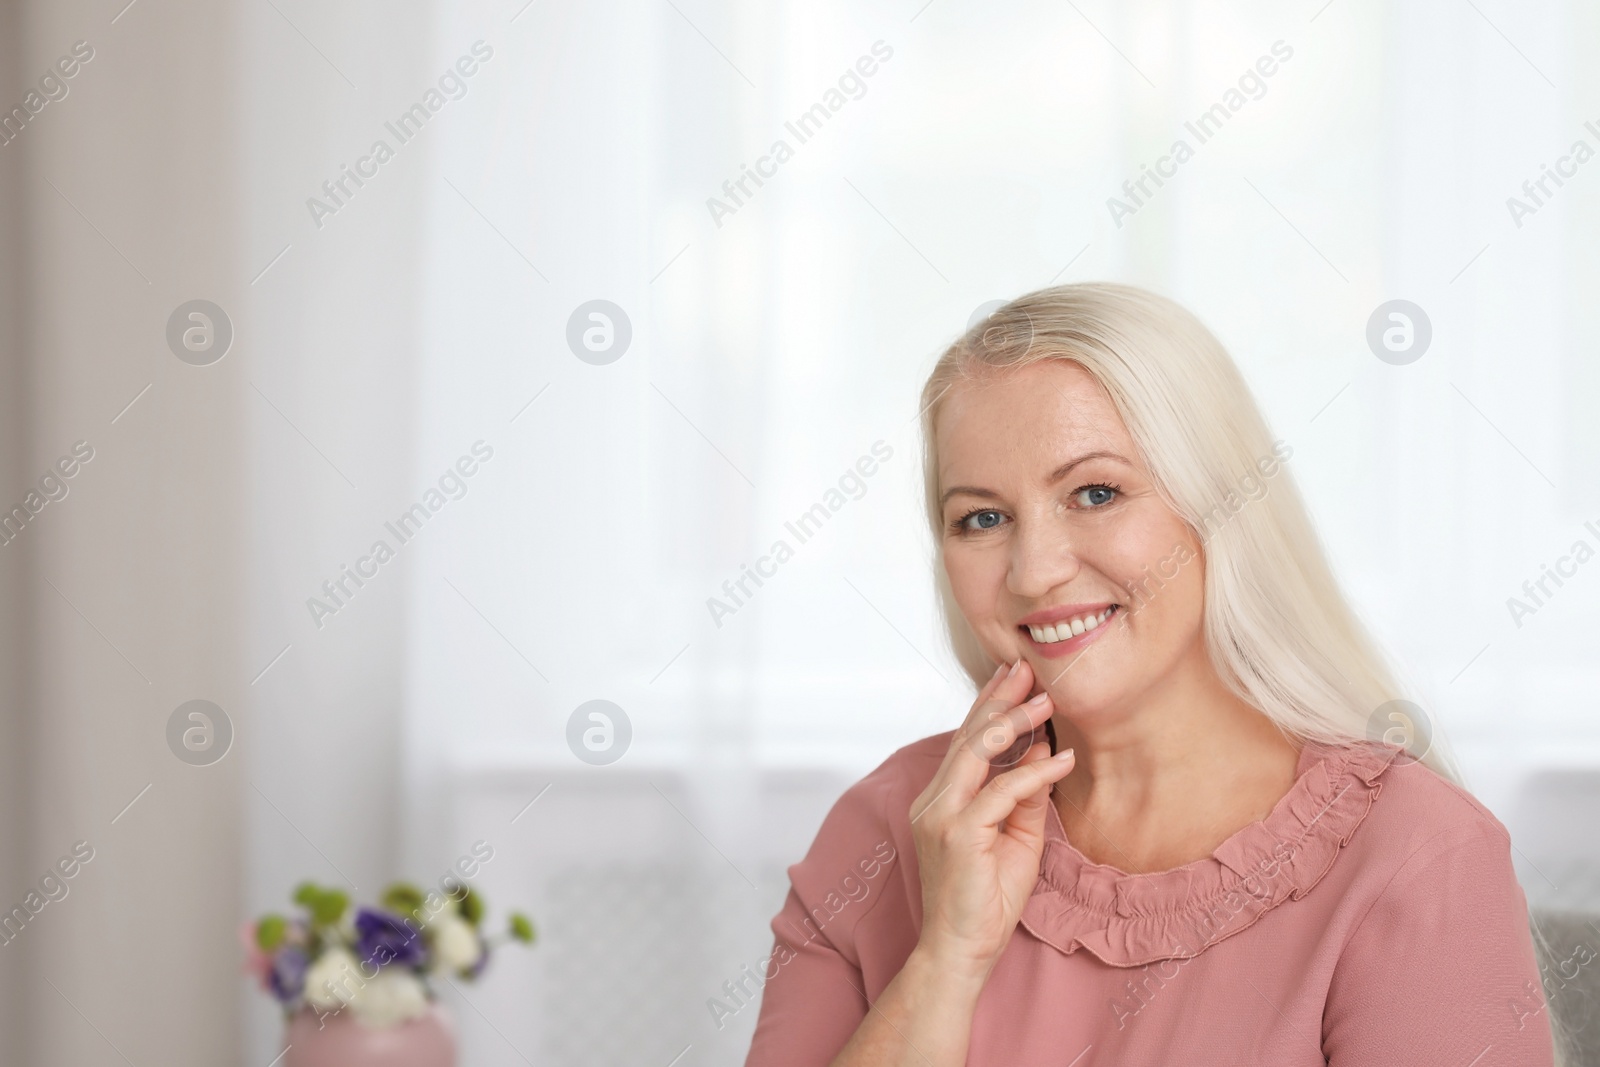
point(1128, 920)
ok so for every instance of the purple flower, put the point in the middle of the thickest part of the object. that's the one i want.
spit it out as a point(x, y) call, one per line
point(383, 938)
point(288, 974)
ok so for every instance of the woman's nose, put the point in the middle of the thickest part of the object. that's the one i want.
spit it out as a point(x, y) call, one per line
point(1042, 558)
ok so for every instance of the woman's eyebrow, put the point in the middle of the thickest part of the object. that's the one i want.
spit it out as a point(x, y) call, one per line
point(967, 490)
point(1055, 476)
point(1066, 468)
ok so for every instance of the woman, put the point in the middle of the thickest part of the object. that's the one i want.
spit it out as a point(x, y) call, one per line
point(1162, 834)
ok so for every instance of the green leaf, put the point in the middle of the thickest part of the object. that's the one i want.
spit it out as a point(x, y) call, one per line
point(522, 928)
point(471, 905)
point(329, 906)
point(403, 898)
point(306, 893)
point(270, 931)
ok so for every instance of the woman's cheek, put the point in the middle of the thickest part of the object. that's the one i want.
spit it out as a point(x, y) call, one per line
point(968, 578)
point(978, 580)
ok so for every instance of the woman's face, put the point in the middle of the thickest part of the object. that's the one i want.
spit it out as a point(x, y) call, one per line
point(1050, 517)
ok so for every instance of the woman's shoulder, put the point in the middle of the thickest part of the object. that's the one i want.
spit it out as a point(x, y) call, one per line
point(873, 816)
point(912, 765)
point(880, 801)
point(1417, 813)
point(863, 856)
point(1433, 915)
point(1419, 796)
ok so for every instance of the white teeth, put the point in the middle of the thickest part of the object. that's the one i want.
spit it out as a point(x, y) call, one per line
point(1061, 631)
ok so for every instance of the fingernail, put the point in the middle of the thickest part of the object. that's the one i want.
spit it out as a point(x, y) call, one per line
point(997, 671)
point(1063, 756)
point(1039, 701)
point(1015, 667)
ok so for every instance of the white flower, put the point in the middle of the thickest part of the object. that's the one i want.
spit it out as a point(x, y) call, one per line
point(455, 943)
point(333, 980)
point(394, 996)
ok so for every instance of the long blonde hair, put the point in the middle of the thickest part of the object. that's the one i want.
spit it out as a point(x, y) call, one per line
point(1278, 629)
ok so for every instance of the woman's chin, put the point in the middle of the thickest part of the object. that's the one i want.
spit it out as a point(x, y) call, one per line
point(1088, 700)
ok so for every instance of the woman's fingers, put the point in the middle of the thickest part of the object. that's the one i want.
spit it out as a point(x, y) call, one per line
point(977, 730)
point(999, 716)
point(995, 724)
point(982, 705)
point(962, 735)
point(1025, 787)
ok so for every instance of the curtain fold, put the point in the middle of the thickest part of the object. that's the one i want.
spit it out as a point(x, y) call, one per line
point(122, 572)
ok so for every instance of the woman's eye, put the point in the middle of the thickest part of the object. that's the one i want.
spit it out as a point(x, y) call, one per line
point(982, 520)
point(1096, 496)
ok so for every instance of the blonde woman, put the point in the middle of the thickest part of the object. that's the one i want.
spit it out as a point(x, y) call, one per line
point(1168, 830)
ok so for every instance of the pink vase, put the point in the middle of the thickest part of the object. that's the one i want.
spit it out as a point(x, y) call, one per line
point(342, 1041)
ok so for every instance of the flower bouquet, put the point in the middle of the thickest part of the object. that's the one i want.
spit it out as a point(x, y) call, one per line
point(379, 962)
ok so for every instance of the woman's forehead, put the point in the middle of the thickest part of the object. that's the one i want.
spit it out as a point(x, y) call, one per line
point(1030, 415)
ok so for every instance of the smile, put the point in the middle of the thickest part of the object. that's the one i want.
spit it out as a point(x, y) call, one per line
point(1061, 636)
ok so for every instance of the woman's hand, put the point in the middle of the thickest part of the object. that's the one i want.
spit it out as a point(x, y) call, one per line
point(978, 849)
point(978, 845)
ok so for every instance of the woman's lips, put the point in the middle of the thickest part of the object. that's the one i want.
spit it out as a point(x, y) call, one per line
point(1057, 649)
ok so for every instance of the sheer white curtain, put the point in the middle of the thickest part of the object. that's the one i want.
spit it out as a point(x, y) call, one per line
point(769, 352)
point(333, 313)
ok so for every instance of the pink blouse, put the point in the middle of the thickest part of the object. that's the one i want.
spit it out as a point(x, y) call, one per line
point(1298, 941)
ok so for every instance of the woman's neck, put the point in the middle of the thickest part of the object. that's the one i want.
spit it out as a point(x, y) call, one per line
point(1163, 783)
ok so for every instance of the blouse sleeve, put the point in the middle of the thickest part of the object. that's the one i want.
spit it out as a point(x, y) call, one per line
point(815, 995)
point(811, 1005)
point(1442, 969)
